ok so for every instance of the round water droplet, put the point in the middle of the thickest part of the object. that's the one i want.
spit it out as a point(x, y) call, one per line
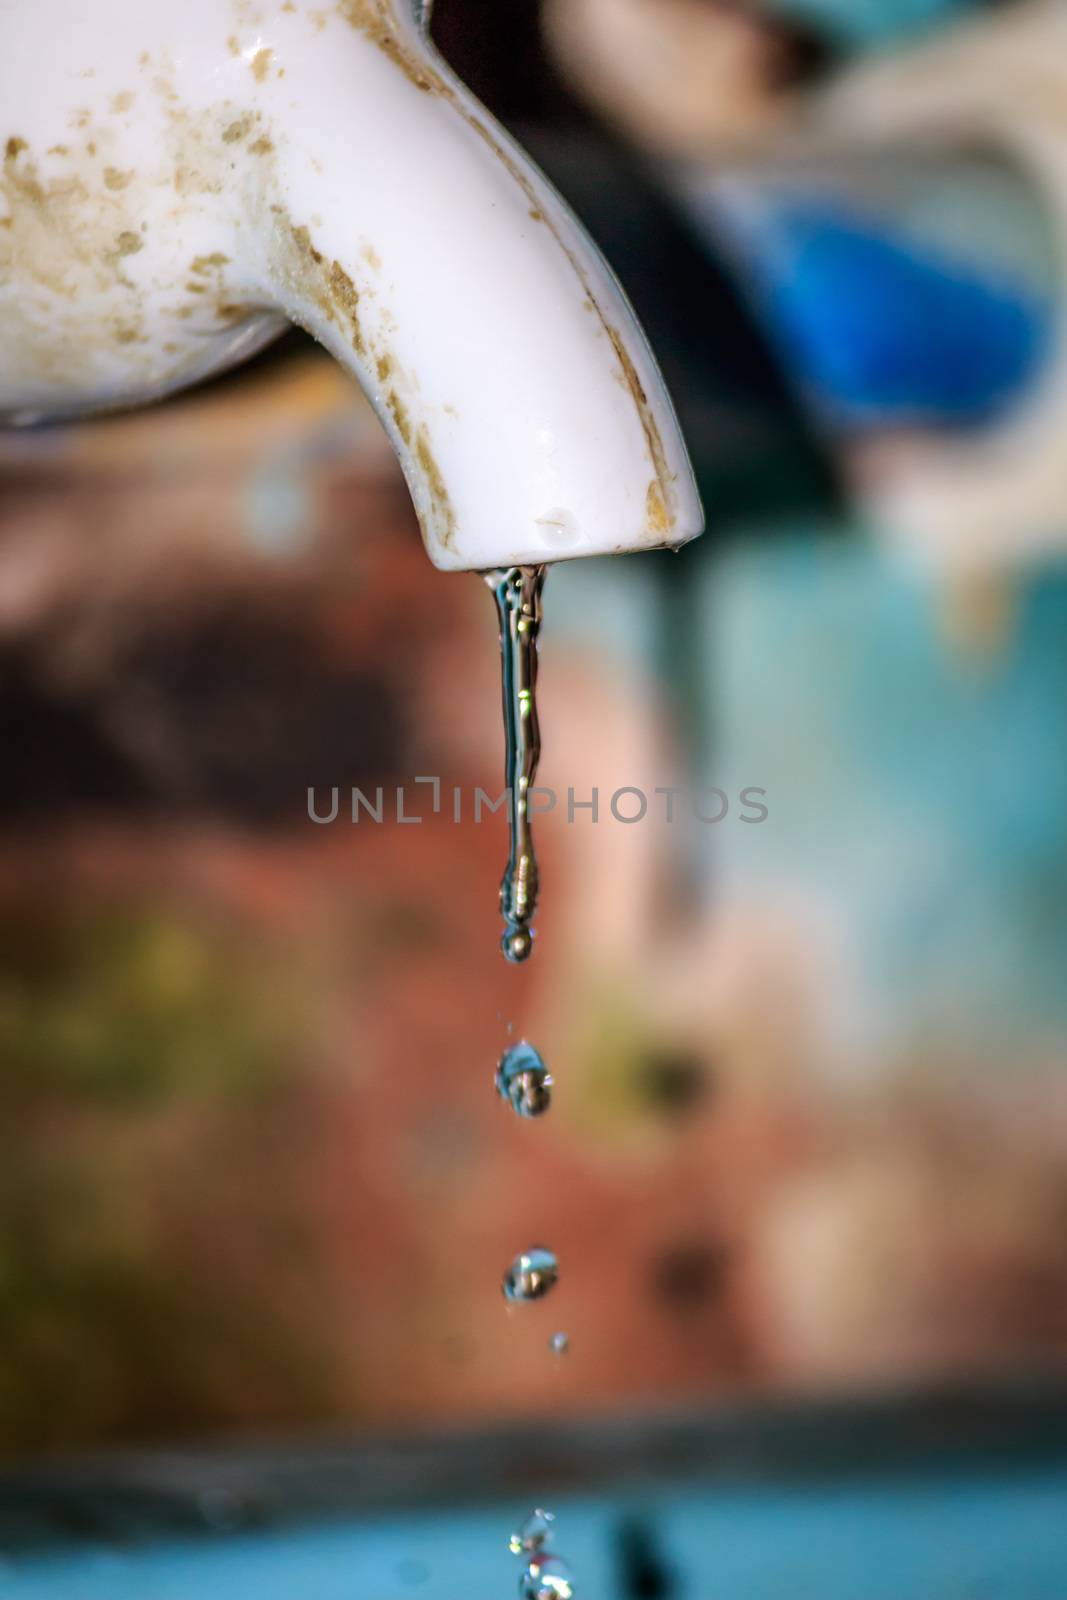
point(523, 1080)
point(547, 1578)
point(517, 942)
point(559, 1343)
point(535, 1535)
point(531, 1275)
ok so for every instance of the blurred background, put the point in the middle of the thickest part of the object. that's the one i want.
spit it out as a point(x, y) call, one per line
point(806, 1156)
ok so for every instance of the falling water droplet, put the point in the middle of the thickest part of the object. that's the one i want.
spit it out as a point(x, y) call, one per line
point(516, 942)
point(531, 1275)
point(559, 1343)
point(535, 1534)
point(547, 1578)
point(523, 1080)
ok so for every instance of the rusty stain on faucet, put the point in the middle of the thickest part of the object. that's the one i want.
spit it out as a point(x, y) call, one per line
point(375, 18)
point(72, 230)
point(655, 511)
point(331, 289)
point(653, 438)
point(203, 264)
point(346, 296)
point(239, 128)
point(438, 489)
point(399, 413)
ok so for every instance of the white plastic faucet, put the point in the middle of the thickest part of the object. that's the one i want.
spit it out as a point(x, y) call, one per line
point(180, 181)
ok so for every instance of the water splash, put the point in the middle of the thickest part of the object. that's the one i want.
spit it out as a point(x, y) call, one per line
point(530, 1276)
point(547, 1578)
point(518, 592)
point(544, 1576)
point(523, 1080)
point(535, 1534)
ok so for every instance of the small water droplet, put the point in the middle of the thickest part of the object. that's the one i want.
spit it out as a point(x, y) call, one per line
point(547, 1578)
point(517, 943)
point(559, 1343)
point(535, 1534)
point(531, 1275)
point(523, 1080)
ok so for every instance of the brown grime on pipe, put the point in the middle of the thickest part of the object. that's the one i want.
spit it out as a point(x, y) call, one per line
point(238, 129)
point(438, 490)
point(331, 291)
point(346, 296)
point(376, 20)
point(655, 510)
point(399, 413)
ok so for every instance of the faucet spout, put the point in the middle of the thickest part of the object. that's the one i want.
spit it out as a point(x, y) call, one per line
point(421, 245)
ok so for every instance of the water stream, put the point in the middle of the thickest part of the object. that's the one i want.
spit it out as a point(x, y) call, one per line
point(518, 591)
